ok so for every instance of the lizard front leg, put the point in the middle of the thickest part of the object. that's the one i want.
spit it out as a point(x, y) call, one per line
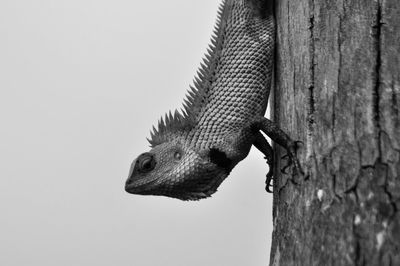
point(277, 135)
point(263, 146)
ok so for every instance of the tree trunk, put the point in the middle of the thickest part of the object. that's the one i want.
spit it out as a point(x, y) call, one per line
point(338, 90)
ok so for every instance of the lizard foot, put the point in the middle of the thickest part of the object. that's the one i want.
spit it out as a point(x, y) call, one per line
point(292, 160)
point(269, 174)
point(291, 155)
point(278, 136)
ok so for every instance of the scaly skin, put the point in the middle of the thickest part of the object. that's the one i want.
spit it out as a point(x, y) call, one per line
point(193, 152)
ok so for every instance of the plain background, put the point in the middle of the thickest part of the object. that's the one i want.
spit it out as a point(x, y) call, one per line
point(81, 84)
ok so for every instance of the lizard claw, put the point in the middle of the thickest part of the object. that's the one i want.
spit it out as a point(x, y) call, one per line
point(292, 150)
point(269, 174)
point(268, 182)
point(295, 146)
point(292, 160)
point(297, 143)
point(284, 169)
point(293, 157)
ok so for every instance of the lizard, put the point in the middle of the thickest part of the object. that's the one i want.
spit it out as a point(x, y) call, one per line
point(193, 150)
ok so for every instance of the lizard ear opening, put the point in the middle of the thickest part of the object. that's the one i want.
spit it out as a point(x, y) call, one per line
point(219, 158)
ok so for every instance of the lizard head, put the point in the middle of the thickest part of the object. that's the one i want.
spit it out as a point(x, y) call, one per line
point(175, 170)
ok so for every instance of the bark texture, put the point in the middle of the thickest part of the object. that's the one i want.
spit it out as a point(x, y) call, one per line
point(338, 90)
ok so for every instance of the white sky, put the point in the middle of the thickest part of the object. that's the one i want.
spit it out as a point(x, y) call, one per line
point(81, 84)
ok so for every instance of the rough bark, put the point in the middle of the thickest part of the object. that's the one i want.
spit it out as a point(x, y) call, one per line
point(338, 90)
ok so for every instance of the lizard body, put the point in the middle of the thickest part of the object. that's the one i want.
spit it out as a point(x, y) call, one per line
point(195, 150)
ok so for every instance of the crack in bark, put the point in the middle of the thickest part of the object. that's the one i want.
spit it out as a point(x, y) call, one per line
point(359, 258)
point(333, 121)
point(311, 104)
point(311, 99)
point(357, 243)
point(377, 79)
point(339, 72)
point(378, 64)
point(392, 201)
point(337, 196)
point(395, 103)
point(353, 189)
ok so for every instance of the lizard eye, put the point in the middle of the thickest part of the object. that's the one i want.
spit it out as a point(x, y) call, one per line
point(177, 155)
point(145, 163)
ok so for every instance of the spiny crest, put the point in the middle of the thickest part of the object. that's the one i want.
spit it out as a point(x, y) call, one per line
point(197, 95)
point(168, 128)
point(174, 125)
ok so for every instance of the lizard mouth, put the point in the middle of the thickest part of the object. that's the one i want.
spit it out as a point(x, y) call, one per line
point(138, 184)
point(141, 188)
